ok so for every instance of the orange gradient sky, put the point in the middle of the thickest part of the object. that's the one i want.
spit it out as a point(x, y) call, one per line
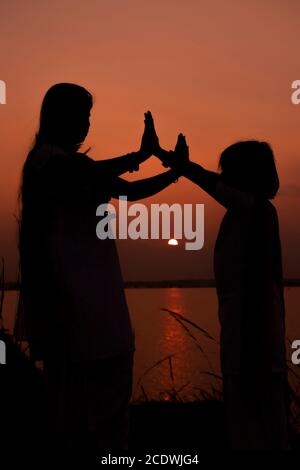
point(219, 71)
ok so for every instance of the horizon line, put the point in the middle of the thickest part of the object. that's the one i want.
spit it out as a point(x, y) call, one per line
point(289, 282)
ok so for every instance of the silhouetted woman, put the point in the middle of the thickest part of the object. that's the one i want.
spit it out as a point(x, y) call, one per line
point(248, 273)
point(75, 311)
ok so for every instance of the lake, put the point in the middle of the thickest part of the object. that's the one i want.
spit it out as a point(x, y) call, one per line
point(159, 335)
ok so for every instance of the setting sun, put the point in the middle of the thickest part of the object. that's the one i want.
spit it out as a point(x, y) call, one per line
point(173, 242)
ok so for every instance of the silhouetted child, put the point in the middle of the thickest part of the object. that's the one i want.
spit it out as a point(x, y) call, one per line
point(75, 311)
point(248, 273)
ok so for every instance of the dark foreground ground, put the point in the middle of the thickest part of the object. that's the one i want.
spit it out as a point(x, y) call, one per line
point(166, 425)
point(155, 426)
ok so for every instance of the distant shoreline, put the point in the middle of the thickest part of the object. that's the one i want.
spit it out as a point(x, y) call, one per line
point(190, 283)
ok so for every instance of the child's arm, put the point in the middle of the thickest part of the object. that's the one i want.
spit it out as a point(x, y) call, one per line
point(211, 182)
point(206, 179)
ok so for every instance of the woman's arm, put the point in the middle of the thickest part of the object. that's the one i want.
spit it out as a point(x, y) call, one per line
point(129, 162)
point(119, 165)
point(143, 188)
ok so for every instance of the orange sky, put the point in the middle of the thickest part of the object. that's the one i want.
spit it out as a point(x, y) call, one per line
point(218, 71)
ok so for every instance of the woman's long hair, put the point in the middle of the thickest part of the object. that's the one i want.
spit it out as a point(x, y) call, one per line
point(63, 117)
point(64, 122)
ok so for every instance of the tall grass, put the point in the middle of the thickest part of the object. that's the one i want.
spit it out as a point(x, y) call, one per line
point(174, 393)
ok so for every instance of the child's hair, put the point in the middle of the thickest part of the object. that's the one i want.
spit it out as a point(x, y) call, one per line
point(250, 166)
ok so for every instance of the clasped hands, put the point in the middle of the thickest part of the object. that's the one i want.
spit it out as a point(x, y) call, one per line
point(175, 159)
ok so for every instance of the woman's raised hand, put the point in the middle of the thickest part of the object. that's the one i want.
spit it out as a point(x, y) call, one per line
point(150, 142)
point(176, 159)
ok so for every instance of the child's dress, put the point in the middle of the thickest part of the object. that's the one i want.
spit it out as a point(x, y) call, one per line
point(248, 272)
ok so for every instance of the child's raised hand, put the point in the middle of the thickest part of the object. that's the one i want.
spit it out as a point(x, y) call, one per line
point(178, 158)
point(181, 151)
